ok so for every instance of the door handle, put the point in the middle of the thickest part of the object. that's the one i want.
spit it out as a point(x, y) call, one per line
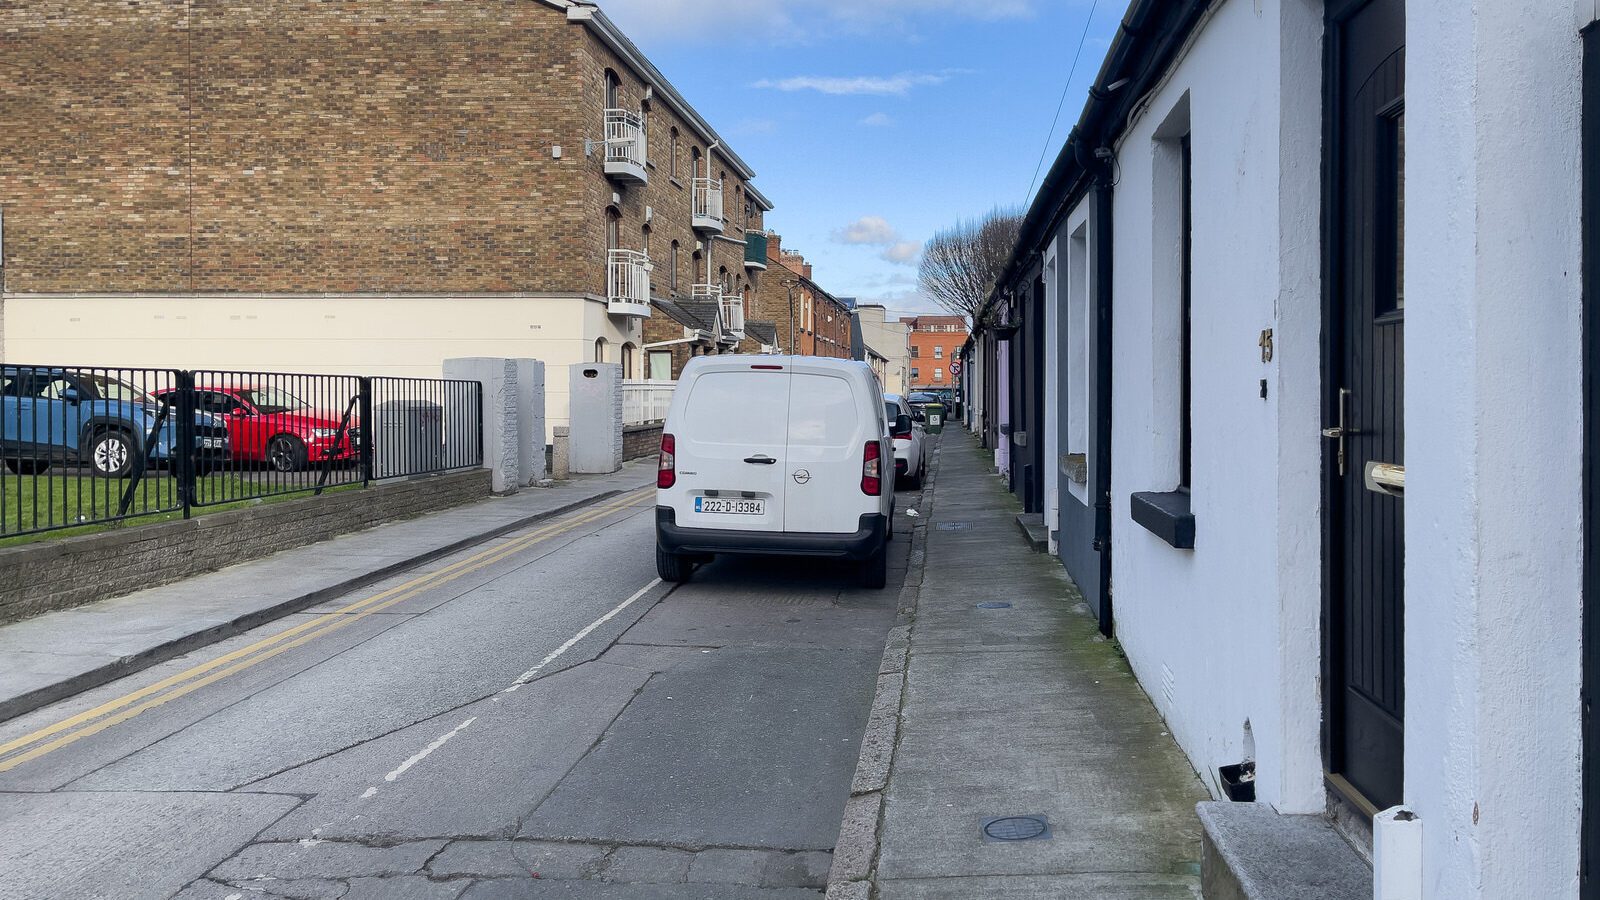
point(1342, 430)
point(760, 460)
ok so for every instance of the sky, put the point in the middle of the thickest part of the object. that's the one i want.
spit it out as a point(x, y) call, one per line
point(872, 124)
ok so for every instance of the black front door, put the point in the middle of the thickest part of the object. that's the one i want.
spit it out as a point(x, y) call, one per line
point(1364, 415)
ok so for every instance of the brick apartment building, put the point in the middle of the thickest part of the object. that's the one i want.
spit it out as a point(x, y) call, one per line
point(935, 343)
point(354, 185)
point(810, 321)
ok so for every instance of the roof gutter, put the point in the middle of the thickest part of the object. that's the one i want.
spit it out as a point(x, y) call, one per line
point(1151, 34)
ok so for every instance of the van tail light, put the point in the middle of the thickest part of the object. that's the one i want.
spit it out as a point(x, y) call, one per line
point(667, 466)
point(872, 469)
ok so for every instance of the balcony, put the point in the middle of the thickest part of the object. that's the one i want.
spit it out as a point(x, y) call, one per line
point(733, 316)
point(708, 205)
point(755, 250)
point(628, 283)
point(625, 146)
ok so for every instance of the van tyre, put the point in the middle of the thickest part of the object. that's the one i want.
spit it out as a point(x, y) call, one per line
point(672, 567)
point(875, 569)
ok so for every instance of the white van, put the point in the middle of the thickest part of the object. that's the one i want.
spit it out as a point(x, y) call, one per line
point(786, 455)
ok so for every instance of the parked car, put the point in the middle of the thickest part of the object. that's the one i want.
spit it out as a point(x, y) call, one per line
point(775, 455)
point(53, 416)
point(270, 425)
point(910, 444)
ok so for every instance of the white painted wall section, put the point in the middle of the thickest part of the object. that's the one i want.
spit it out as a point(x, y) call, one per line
point(1493, 401)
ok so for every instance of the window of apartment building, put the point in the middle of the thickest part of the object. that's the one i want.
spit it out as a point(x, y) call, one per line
point(915, 351)
point(694, 162)
point(672, 159)
point(613, 90)
point(697, 264)
point(672, 277)
point(938, 352)
point(738, 200)
point(938, 374)
point(600, 350)
point(915, 374)
point(644, 239)
point(613, 228)
point(628, 351)
point(659, 365)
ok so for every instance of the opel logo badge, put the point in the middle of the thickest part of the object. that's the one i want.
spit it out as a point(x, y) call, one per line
point(801, 476)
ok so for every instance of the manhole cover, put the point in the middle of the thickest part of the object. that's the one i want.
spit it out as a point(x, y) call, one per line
point(952, 526)
point(1016, 828)
point(994, 604)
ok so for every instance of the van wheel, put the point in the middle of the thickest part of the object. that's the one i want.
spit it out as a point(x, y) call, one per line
point(875, 569)
point(672, 567)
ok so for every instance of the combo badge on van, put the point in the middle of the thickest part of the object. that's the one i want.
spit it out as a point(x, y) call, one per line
point(775, 455)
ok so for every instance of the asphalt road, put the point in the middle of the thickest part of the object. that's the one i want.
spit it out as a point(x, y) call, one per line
point(535, 717)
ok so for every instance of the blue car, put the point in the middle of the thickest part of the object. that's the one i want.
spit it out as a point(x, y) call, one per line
point(51, 416)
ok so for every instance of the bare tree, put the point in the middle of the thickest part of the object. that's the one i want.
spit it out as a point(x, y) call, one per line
point(961, 264)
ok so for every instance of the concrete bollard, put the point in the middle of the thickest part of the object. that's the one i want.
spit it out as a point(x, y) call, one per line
point(595, 430)
point(513, 417)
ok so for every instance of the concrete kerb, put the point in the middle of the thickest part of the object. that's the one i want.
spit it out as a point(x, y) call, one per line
point(855, 854)
point(144, 659)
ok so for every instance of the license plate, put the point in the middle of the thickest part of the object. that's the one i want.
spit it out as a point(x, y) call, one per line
point(730, 507)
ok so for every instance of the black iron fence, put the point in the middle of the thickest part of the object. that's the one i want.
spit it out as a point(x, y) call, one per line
point(90, 445)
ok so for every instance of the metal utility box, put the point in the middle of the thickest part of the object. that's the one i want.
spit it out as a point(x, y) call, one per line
point(408, 439)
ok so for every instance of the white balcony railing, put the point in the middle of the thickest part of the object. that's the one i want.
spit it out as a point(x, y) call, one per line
point(625, 145)
point(708, 204)
point(628, 283)
point(733, 315)
point(646, 401)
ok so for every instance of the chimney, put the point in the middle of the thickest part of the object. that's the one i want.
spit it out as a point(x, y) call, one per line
point(774, 246)
point(806, 269)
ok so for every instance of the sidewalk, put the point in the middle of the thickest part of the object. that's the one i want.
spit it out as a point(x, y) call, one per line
point(1022, 713)
point(57, 655)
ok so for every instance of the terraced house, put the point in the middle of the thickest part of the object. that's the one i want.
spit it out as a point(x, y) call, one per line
point(369, 186)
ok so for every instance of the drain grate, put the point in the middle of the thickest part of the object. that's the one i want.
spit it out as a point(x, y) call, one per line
point(994, 604)
point(953, 526)
point(1010, 829)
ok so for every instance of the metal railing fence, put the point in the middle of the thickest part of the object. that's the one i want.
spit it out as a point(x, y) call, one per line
point(646, 401)
point(92, 445)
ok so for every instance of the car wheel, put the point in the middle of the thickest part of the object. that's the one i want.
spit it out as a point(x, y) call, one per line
point(875, 569)
point(914, 479)
point(286, 453)
point(111, 454)
point(673, 567)
point(28, 466)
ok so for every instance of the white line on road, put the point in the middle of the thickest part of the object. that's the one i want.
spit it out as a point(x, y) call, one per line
point(427, 751)
point(527, 676)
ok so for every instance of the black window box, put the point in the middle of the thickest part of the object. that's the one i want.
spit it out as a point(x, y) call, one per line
point(1167, 516)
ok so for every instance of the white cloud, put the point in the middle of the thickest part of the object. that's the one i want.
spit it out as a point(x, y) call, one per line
point(705, 21)
point(878, 120)
point(879, 85)
point(902, 252)
point(872, 231)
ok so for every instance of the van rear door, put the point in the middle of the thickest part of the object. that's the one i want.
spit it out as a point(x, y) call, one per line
point(826, 436)
point(731, 452)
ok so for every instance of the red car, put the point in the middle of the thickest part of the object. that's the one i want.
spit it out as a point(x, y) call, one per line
point(273, 426)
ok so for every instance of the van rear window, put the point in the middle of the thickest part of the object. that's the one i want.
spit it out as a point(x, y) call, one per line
point(737, 408)
point(822, 412)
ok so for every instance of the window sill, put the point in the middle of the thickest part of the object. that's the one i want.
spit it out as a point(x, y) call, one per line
point(674, 180)
point(1167, 516)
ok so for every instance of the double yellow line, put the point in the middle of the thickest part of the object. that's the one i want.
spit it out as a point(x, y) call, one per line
point(70, 730)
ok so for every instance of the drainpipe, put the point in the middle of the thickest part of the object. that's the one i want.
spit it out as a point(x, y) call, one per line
point(1102, 443)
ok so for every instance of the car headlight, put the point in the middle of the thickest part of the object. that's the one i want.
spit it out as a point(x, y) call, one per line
point(324, 433)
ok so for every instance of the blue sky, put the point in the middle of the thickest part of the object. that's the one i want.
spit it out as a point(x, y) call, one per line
point(873, 123)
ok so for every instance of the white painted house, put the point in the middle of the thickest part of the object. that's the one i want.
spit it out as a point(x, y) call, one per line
point(1310, 279)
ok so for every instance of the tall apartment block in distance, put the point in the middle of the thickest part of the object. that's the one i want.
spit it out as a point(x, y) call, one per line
point(935, 341)
point(353, 185)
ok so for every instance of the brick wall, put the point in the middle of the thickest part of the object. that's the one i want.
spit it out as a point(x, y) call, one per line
point(321, 146)
point(68, 572)
point(640, 441)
